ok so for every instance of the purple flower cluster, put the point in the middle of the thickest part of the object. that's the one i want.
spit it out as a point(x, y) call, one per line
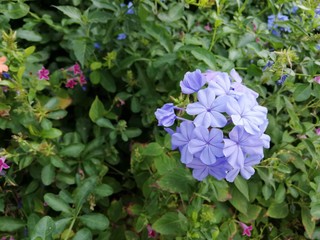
point(226, 134)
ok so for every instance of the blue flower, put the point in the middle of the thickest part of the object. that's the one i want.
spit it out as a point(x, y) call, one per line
point(269, 64)
point(97, 45)
point(181, 140)
point(6, 75)
point(130, 8)
point(274, 27)
point(207, 143)
point(238, 89)
point(246, 170)
point(247, 113)
point(239, 145)
point(192, 82)
point(220, 83)
point(294, 9)
point(166, 115)
point(317, 10)
point(122, 36)
point(201, 170)
point(208, 109)
point(282, 79)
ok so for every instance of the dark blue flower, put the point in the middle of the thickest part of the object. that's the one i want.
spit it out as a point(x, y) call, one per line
point(97, 45)
point(282, 79)
point(269, 64)
point(122, 36)
point(274, 27)
point(6, 75)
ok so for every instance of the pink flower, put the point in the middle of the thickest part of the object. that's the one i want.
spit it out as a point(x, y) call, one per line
point(71, 83)
point(43, 73)
point(76, 69)
point(11, 238)
point(208, 27)
point(3, 165)
point(4, 238)
point(246, 229)
point(318, 131)
point(82, 80)
point(151, 232)
point(317, 79)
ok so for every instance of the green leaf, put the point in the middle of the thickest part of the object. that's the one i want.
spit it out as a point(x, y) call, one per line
point(10, 224)
point(242, 186)
point(245, 39)
point(278, 210)
point(57, 115)
point(105, 123)
point(95, 221)
point(164, 164)
point(307, 221)
point(44, 229)
point(73, 150)
point(160, 33)
point(280, 194)
point(72, 12)
point(302, 92)
point(96, 110)
point(82, 192)
point(202, 55)
point(95, 65)
point(108, 82)
point(95, 77)
point(315, 210)
point(175, 12)
point(178, 180)
point(79, 50)
point(28, 51)
point(61, 225)
point(239, 201)
point(56, 203)
point(48, 174)
point(152, 149)
point(29, 35)
point(220, 189)
point(83, 234)
point(133, 132)
point(16, 10)
point(103, 190)
point(170, 223)
point(51, 133)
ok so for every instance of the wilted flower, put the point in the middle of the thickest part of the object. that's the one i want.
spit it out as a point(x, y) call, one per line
point(208, 27)
point(166, 115)
point(318, 131)
point(76, 69)
point(246, 229)
point(43, 73)
point(269, 64)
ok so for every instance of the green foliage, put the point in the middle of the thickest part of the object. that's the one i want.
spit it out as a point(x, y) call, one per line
point(90, 162)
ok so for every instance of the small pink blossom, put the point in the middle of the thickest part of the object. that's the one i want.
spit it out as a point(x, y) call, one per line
point(82, 80)
point(4, 238)
point(11, 238)
point(208, 27)
point(71, 83)
point(317, 79)
point(246, 229)
point(151, 232)
point(3, 165)
point(76, 69)
point(318, 131)
point(43, 73)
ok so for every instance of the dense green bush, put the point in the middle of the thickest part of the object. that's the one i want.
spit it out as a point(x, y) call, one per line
point(81, 154)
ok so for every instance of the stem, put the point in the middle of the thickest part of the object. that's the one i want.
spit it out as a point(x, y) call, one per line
point(71, 225)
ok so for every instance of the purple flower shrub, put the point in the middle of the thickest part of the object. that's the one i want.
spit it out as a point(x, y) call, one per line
point(225, 136)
